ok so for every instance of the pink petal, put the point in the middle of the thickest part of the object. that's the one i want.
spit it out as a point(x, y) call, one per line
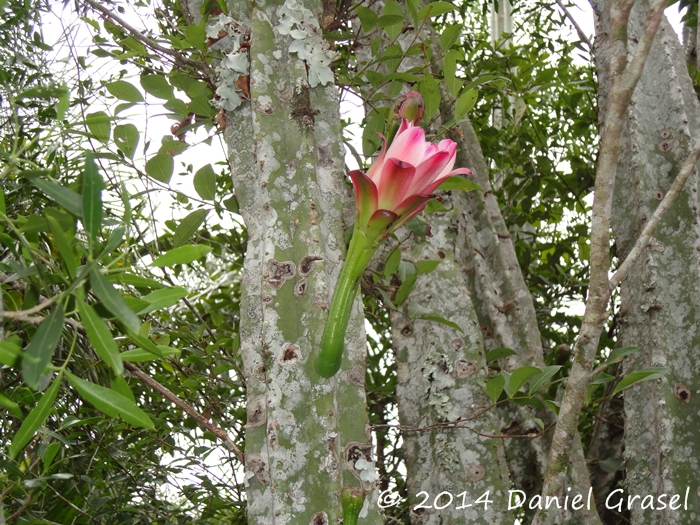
point(461, 171)
point(430, 170)
point(409, 208)
point(396, 178)
point(375, 170)
point(408, 146)
point(365, 196)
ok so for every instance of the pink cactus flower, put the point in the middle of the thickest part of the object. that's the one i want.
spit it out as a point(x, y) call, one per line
point(402, 179)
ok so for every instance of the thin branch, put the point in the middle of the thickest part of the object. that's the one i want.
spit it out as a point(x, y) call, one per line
point(201, 420)
point(138, 35)
point(668, 200)
point(580, 32)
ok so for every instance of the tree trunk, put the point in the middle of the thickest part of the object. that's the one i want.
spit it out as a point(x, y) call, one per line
point(660, 297)
point(304, 434)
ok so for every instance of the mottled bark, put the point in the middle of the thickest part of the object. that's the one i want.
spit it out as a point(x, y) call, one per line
point(660, 296)
point(304, 434)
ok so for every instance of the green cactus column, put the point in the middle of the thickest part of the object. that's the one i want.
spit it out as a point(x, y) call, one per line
point(304, 434)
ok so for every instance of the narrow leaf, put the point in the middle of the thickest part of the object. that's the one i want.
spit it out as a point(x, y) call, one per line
point(182, 255)
point(92, 199)
point(63, 245)
point(465, 103)
point(163, 298)
point(442, 320)
point(139, 354)
point(9, 353)
point(435, 9)
point(69, 199)
point(110, 402)
point(8, 404)
point(542, 378)
point(405, 289)
point(113, 301)
point(459, 183)
point(100, 337)
point(646, 374)
point(34, 419)
point(40, 349)
point(426, 266)
point(392, 263)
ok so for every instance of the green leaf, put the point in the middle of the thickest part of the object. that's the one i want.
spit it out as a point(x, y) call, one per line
point(465, 103)
point(619, 353)
point(449, 36)
point(199, 105)
point(552, 405)
point(196, 37)
point(442, 320)
point(385, 21)
point(368, 18)
point(435, 9)
point(188, 227)
point(126, 137)
point(138, 355)
point(458, 183)
point(645, 374)
point(494, 387)
point(38, 353)
point(542, 378)
point(160, 167)
point(124, 91)
point(99, 124)
point(137, 281)
point(429, 89)
point(113, 301)
point(63, 245)
point(182, 255)
point(520, 376)
point(8, 404)
point(119, 385)
point(173, 147)
point(392, 8)
point(370, 140)
point(100, 337)
point(392, 262)
point(64, 197)
point(157, 85)
point(205, 183)
point(231, 204)
point(449, 69)
point(34, 419)
point(498, 353)
point(110, 402)
point(49, 455)
point(405, 289)
point(9, 353)
point(92, 199)
point(115, 238)
point(163, 298)
point(426, 266)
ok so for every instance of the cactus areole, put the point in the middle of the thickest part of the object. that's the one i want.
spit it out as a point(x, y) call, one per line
point(396, 187)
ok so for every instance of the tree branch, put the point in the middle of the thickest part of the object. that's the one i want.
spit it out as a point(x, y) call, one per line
point(668, 200)
point(138, 35)
point(201, 420)
point(578, 29)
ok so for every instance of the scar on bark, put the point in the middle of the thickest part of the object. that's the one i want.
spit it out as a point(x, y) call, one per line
point(681, 392)
point(278, 272)
point(302, 113)
point(256, 412)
